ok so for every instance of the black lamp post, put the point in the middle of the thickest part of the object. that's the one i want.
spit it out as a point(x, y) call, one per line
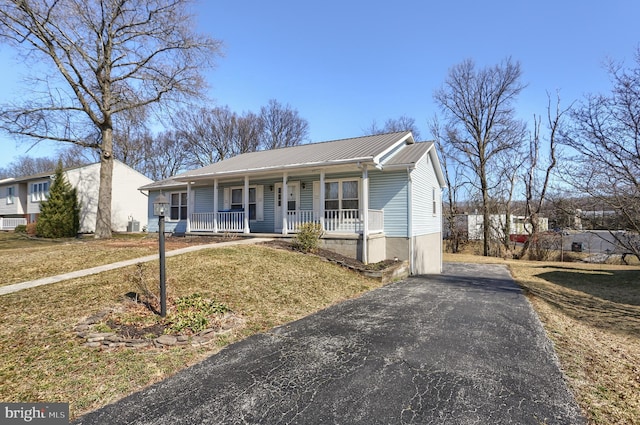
point(160, 207)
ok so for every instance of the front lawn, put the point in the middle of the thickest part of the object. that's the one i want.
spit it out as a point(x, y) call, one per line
point(44, 360)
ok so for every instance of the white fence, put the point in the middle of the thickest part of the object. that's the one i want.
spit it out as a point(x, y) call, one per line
point(10, 223)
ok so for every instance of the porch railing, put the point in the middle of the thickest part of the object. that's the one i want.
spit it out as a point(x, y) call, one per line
point(10, 223)
point(335, 221)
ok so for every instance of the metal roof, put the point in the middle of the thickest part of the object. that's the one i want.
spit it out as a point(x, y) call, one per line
point(358, 149)
point(409, 155)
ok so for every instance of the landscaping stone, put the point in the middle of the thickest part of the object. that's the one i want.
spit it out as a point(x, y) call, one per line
point(99, 336)
point(167, 340)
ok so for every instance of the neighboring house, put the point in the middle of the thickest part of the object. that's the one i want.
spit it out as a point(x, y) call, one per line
point(377, 197)
point(20, 197)
point(472, 225)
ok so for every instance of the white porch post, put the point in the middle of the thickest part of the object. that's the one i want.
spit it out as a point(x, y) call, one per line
point(322, 195)
point(189, 207)
point(215, 205)
point(284, 200)
point(246, 204)
point(365, 213)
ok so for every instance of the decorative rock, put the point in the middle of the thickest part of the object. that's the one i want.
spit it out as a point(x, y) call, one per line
point(182, 338)
point(167, 340)
point(100, 336)
point(81, 328)
point(92, 344)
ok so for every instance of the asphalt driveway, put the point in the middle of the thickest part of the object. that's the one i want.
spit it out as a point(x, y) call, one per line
point(464, 347)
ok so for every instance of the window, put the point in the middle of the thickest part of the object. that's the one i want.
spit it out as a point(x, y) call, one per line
point(434, 200)
point(10, 194)
point(341, 195)
point(39, 191)
point(178, 206)
point(237, 201)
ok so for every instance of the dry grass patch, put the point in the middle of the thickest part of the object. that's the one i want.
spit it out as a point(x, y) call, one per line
point(43, 360)
point(23, 258)
point(591, 312)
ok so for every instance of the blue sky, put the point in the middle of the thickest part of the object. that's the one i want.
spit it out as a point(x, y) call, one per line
point(343, 64)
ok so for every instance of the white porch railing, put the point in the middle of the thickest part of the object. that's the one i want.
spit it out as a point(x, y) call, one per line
point(10, 223)
point(228, 221)
point(335, 221)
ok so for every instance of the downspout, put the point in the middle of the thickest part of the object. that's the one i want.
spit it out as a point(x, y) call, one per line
point(410, 221)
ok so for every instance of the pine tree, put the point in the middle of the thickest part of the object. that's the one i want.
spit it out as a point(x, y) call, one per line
point(60, 213)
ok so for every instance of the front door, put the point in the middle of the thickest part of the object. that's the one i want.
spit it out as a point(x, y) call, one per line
point(292, 203)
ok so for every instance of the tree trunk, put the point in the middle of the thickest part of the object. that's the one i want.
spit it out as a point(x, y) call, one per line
point(103, 217)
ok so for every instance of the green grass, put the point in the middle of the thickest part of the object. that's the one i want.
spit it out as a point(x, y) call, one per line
point(43, 360)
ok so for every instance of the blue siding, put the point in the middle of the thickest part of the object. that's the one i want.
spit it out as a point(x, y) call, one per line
point(424, 184)
point(388, 191)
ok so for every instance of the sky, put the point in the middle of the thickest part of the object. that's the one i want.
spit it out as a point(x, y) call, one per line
point(344, 64)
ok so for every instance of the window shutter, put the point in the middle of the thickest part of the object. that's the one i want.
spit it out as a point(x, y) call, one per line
point(260, 203)
point(316, 199)
point(227, 199)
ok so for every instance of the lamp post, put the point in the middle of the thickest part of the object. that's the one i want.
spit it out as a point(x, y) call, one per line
point(160, 206)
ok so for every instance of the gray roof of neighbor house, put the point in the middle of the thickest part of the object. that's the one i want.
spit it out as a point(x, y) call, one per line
point(358, 149)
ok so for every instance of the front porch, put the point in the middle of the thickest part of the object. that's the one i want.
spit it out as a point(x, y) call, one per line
point(334, 221)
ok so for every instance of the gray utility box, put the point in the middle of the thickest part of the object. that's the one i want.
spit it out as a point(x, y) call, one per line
point(133, 226)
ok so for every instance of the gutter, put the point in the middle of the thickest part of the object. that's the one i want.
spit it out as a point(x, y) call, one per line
point(410, 220)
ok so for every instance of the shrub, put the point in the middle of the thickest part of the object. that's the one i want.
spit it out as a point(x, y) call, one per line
point(31, 229)
point(20, 228)
point(308, 237)
point(60, 213)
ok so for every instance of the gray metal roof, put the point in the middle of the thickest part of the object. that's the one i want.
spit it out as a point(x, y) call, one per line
point(365, 149)
point(410, 154)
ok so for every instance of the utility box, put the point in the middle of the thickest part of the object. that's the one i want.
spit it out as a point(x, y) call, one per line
point(576, 247)
point(133, 226)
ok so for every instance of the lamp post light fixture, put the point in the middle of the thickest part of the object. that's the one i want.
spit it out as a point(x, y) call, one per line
point(160, 207)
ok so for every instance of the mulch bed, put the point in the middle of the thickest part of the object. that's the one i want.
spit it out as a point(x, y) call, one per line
point(334, 257)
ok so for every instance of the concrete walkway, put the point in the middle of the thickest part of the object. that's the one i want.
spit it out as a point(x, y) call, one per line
point(99, 269)
point(464, 347)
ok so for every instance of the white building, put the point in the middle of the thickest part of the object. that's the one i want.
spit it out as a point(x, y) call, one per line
point(20, 197)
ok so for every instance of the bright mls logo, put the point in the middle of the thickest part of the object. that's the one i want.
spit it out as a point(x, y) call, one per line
point(35, 413)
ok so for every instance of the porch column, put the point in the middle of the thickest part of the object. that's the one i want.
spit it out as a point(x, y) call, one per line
point(365, 213)
point(189, 207)
point(246, 204)
point(284, 200)
point(322, 195)
point(215, 205)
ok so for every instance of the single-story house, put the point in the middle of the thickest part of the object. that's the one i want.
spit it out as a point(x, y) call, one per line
point(376, 197)
point(20, 197)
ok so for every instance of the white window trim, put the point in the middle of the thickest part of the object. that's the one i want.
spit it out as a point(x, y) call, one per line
point(259, 199)
point(38, 191)
point(180, 192)
point(10, 195)
point(340, 198)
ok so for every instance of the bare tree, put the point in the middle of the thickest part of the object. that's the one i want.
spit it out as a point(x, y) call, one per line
point(456, 180)
point(109, 56)
point(605, 132)
point(538, 173)
point(478, 108)
point(208, 133)
point(250, 129)
point(282, 126)
point(165, 155)
point(392, 125)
